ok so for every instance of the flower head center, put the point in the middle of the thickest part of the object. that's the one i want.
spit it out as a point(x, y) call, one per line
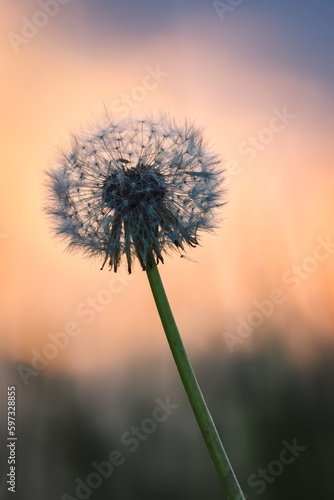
point(132, 187)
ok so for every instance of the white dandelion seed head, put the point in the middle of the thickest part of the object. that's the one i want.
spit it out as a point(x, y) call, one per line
point(134, 188)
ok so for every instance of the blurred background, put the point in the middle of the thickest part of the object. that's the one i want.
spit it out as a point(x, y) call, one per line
point(254, 304)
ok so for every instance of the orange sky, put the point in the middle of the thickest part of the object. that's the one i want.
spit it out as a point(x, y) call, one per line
point(279, 195)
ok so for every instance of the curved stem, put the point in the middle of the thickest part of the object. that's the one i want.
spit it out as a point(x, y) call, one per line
point(195, 396)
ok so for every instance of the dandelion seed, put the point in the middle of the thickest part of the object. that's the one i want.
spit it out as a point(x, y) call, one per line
point(136, 188)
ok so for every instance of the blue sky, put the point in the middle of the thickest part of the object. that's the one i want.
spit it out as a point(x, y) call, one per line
point(286, 32)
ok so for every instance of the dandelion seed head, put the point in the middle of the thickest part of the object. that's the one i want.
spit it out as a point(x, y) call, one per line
point(136, 188)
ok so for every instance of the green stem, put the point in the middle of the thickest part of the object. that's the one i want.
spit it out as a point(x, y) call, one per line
point(196, 399)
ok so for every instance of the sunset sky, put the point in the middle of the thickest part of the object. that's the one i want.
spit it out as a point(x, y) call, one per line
point(258, 77)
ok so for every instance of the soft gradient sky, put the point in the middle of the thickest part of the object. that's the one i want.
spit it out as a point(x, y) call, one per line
point(235, 74)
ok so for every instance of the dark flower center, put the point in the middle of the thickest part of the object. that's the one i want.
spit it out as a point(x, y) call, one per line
point(129, 188)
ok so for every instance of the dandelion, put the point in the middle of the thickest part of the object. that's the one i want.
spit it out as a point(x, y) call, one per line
point(139, 189)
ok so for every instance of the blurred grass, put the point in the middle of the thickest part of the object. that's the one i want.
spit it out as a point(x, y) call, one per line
point(258, 401)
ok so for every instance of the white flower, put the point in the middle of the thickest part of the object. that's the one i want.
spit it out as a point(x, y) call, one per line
point(134, 188)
